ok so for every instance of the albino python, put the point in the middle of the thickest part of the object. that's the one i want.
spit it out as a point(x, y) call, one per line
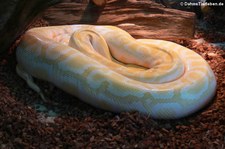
point(105, 67)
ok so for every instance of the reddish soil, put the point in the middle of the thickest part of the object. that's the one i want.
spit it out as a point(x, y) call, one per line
point(66, 122)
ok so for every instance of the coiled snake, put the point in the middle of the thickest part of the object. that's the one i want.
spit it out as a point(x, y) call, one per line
point(105, 67)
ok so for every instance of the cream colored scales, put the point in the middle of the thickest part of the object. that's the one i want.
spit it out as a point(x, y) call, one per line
point(107, 68)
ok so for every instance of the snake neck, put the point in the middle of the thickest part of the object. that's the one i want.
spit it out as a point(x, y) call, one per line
point(127, 56)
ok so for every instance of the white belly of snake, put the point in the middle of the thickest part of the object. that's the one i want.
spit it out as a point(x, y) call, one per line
point(105, 67)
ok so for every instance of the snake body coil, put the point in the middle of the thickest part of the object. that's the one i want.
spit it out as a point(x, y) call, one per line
point(107, 68)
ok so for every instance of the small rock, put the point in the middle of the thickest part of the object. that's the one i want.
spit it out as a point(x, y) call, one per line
point(211, 54)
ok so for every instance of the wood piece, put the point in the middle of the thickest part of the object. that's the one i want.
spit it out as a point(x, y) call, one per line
point(142, 19)
point(99, 2)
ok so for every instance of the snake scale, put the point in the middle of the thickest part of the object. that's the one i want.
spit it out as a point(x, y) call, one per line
point(106, 67)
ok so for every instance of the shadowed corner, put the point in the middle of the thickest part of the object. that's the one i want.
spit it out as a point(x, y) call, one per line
point(16, 16)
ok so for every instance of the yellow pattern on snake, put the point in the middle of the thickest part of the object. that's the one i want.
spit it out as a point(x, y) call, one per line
point(106, 67)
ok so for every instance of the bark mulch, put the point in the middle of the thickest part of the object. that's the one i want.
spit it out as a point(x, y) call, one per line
point(65, 122)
